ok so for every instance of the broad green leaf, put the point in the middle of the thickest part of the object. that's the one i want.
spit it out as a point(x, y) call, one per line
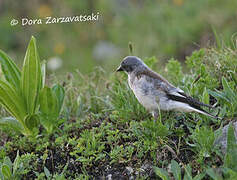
point(213, 174)
point(232, 174)
point(205, 96)
point(233, 76)
point(32, 121)
point(230, 94)
point(11, 72)
point(231, 152)
point(176, 170)
point(60, 93)
point(46, 172)
point(48, 108)
point(48, 122)
point(218, 95)
point(12, 123)
point(31, 81)
point(6, 171)
point(161, 173)
point(199, 176)
point(8, 162)
point(12, 101)
point(16, 162)
point(188, 173)
point(48, 102)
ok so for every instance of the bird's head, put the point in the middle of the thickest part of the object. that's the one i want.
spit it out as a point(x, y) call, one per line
point(131, 64)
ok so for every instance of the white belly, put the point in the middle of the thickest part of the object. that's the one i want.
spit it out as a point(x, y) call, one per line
point(149, 101)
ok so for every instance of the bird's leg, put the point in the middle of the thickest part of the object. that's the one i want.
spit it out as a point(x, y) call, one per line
point(155, 115)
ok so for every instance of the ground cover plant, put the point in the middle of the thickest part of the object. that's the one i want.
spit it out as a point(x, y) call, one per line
point(100, 131)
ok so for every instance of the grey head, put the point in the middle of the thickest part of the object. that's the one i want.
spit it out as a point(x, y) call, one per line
point(131, 64)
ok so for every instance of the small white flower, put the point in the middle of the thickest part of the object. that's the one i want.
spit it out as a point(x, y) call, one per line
point(54, 63)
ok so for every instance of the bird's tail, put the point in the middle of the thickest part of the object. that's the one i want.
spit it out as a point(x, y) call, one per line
point(193, 101)
point(193, 104)
point(206, 105)
point(201, 111)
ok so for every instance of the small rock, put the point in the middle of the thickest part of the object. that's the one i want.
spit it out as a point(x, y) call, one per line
point(109, 177)
point(146, 169)
point(129, 170)
point(146, 166)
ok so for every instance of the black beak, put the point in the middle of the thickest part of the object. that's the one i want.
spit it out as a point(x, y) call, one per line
point(119, 69)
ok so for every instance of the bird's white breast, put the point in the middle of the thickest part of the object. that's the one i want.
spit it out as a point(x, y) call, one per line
point(142, 90)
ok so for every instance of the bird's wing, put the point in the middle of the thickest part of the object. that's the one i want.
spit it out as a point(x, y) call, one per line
point(160, 82)
point(178, 95)
point(171, 91)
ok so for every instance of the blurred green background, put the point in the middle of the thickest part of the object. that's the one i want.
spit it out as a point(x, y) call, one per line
point(161, 28)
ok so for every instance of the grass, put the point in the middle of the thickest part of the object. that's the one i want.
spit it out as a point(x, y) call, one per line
point(103, 129)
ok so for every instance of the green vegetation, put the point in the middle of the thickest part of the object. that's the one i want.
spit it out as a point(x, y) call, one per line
point(51, 101)
point(229, 169)
point(23, 92)
point(80, 120)
point(99, 128)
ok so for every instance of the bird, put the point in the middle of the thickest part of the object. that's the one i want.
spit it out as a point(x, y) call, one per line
point(155, 93)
